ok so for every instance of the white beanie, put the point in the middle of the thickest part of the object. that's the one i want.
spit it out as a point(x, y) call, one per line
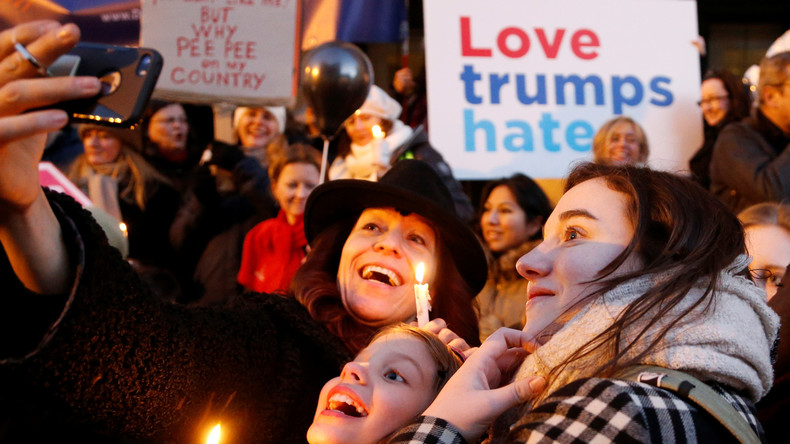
point(277, 111)
point(380, 104)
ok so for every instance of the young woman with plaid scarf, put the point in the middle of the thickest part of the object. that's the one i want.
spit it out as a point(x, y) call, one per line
point(637, 267)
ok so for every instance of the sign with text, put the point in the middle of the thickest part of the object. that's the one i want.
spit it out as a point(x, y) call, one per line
point(522, 86)
point(236, 51)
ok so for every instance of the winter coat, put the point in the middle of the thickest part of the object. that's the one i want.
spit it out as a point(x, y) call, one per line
point(111, 360)
point(501, 301)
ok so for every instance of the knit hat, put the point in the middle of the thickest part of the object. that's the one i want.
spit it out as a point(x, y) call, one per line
point(277, 111)
point(130, 138)
point(412, 186)
point(380, 104)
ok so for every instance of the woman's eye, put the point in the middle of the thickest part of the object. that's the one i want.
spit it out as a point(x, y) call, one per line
point(570, 234)
point(417, 238)
point(392, 375)
point(370, 227)
point(776, 279)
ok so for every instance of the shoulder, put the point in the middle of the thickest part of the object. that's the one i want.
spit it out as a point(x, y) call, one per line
point(622, 411)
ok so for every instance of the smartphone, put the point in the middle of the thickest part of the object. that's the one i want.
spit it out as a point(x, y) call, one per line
point(128, 76)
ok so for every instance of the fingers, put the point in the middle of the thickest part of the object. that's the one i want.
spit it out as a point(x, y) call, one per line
point(18, 127)
point(506, 338)
point(24, 34)
point(517, 392)
point(46, 48)
point(435, 325)
point(22, 95)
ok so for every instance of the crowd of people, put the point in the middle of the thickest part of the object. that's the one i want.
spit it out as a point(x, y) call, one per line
point(246, 285)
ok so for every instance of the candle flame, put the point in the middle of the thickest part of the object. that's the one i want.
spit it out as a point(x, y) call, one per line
point(213, 437)
point(123, 228)
point(377, 132)
point(419, 274)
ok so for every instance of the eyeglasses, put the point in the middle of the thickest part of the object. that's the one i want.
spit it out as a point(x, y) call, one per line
point(710, 100)
point(171, 120)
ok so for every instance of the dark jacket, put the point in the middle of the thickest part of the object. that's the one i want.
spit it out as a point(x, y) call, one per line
point(751, 163)
point(113, 359)
point(418, 147)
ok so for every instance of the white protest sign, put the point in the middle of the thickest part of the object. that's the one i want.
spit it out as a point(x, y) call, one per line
point(522, 86)
point(236, 51)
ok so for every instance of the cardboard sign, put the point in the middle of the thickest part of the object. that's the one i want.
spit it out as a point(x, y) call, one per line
point(522, 86)
point(236, 51)
point(50, 176)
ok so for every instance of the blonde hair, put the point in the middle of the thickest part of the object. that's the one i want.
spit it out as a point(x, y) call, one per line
point(603, 134)
point(445, 358)
point(766, 213)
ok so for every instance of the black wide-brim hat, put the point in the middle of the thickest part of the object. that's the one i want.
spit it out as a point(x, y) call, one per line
point(410, 185)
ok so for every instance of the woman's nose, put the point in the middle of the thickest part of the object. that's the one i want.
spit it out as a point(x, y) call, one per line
point(492, 217)
point(389, 242)
point(534, 264)
point(354, 372)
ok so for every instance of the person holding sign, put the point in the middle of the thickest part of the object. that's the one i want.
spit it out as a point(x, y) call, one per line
point(93, 352)
point(637, 268)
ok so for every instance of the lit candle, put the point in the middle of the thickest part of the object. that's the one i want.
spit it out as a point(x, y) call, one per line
point(421, 296)
point(213, 437)
point(122, 226)
point(381, 154)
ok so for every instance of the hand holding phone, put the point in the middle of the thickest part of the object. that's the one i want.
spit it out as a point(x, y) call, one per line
point(128, 77)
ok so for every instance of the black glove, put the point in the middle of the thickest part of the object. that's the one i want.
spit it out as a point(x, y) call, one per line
point(225, 156)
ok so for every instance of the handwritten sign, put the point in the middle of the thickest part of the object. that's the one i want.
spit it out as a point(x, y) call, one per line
point(237, 51)
point(522, 86)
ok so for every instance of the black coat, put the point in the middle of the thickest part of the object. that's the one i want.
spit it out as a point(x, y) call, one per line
point(112, 359)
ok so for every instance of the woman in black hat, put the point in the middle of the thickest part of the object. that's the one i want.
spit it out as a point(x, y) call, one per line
point(95, 353)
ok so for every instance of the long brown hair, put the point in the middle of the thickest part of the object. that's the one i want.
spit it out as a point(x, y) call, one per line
point(679, 230)
point(315, 286)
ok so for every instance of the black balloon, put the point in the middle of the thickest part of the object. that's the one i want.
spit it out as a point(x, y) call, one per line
point(336, 78)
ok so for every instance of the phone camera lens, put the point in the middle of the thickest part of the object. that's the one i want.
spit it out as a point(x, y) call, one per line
point(144, 65)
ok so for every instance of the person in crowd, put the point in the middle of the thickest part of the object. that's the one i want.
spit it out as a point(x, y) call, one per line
point(371, 153)
point(276, 247)
point(637, 267)
point(620, 141)
point(767, 227)
point(774, 409)
point(119, 181)
point(413, 97)
point(751, 162)
point(724, 100)
point(513, 212)
point(387, 385)
point(95, 353)
point(167, 144)
point(230, 194)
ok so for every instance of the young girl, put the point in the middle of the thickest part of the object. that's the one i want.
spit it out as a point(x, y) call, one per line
point(388, 384)
point(275, 248)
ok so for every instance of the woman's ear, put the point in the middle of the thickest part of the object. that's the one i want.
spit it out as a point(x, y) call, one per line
point(534, 226)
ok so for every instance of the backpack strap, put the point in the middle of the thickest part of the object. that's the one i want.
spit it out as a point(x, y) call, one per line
point(696, 392)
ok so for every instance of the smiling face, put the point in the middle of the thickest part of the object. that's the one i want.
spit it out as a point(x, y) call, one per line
point(257, 127)
point(389, 383)
point(101, 147)
point(587, 230)
point(168, 128)
point(504, 223)
point(622, 147)
point(715, 101)
point(293, 185)
point(376, 270)
point(769, 246)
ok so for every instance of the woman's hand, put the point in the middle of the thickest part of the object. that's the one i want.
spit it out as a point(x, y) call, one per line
point(475, 396)
point(29, 231)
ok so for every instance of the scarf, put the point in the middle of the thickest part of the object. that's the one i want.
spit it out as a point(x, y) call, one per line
point(370, 161)
point(273, 251)
point(730, 344)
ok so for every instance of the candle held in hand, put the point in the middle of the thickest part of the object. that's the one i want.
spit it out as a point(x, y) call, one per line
point(422, 297)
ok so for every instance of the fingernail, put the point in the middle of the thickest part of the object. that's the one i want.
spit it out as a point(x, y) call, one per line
point(68, 32)
point(537, 384)
point(47, 26)
point(88, 84)
point(59, 118)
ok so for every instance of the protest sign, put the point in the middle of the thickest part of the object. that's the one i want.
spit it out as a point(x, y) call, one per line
point(522, 86)
point(50, 176)
point(236, 51)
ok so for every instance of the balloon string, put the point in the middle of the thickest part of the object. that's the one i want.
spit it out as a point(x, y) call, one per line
point(324, 157)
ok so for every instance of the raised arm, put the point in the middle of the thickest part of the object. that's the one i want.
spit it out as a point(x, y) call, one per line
point(29, 231)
